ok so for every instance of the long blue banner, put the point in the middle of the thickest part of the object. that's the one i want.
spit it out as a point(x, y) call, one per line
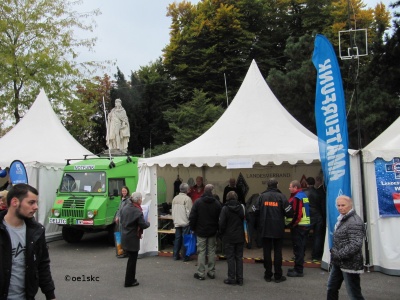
point(330, 115)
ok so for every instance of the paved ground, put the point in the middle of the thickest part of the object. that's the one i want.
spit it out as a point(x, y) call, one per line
point(163, 278)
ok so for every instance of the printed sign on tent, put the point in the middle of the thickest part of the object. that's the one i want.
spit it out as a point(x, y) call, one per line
point(17, 173)
point(388, 186)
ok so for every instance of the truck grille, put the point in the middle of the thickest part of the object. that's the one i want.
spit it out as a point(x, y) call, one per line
point(73, 208)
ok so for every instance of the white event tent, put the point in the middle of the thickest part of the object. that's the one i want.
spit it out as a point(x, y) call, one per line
point(43, 144)
point(254, 131)
point(383, 231)
point(255, 126)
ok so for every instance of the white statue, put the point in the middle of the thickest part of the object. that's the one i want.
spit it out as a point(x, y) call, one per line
point(118, 132)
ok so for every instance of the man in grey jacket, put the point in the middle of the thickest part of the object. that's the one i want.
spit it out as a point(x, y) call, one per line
point(181, 207)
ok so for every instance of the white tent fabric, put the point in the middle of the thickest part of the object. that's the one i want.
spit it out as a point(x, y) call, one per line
point(40, 137)
point(383, 234)
point(255, 126)
point(43, 144)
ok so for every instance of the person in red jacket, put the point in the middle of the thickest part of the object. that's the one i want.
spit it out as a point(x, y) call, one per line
point(197, 190)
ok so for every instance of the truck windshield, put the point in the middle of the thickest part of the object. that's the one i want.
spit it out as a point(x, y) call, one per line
point(93, 182)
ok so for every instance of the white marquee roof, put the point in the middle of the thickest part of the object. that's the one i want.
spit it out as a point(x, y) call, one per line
point(255, 126)
point(386, 145)
point(40, 137)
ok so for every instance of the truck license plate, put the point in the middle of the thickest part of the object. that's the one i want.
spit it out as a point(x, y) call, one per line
point(57, 221)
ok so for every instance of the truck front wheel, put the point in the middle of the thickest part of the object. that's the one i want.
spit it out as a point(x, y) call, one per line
point(72, 235)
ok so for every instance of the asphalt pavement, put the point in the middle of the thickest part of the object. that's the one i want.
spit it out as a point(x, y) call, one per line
point(90, 270)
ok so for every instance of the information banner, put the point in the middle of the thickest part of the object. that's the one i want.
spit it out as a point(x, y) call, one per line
point(17, 173)
point(388, 186)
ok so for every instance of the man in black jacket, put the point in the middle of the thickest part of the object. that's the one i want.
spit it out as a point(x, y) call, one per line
point(24, 257)
point(272, 207)
point(203, 220)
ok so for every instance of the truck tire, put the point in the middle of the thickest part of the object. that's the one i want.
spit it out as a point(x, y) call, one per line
point(72, 235)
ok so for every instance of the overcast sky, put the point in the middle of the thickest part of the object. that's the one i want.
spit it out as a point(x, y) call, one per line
point(134, 32)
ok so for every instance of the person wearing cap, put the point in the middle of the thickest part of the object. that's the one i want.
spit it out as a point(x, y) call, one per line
point(133, 224)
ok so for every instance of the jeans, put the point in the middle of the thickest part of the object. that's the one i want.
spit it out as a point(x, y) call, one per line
point(268, 243)
point(130, 274)
point(178, 243)
point(205, 244)
point(299, 240)
point(351, 280)
point(234, 257)
point(317, 224)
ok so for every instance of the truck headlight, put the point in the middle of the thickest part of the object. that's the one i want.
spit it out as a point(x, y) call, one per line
point(90, 214)
point(56, 213)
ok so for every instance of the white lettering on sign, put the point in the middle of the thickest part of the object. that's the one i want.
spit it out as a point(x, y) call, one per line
point(57, 221)
point(335, 156)
point(83, 167)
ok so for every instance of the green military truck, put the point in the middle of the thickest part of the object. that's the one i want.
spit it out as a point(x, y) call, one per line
point(89, 195)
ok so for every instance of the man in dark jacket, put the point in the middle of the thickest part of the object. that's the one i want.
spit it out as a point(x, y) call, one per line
point(133, 224)
point(316, 220)
point(232, 231)
point(203, 220)
point(24, 257)
point(272, 208)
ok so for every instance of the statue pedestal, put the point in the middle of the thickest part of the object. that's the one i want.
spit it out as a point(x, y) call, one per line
point(113, 152)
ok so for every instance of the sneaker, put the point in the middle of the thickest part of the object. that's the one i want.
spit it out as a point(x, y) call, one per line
point(283, 278)
point(228, 281)
point(267, 279)
point(186, 259)
point(211, 276)
point(294, 274)
point(197, 276)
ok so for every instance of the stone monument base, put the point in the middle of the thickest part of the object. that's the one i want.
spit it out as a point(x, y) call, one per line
point(113, 152)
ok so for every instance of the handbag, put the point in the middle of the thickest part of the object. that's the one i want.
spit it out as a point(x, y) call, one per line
point(118, 246)
point(245, 228)
point(190, 242)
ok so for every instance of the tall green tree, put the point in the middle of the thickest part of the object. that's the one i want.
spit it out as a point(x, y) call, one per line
point(87, 124)
point(38, 49)
point(190, 120)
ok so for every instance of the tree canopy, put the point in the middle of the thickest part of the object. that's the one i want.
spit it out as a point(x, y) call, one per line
point(38, 48)
point(176, 98)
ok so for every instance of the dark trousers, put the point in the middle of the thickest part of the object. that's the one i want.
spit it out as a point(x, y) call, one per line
point(299, 239)
point(178, 243)
point(351, 280)
point(268, 243)
point(317, 225)
point(234, 257)
point(130, 274)
point(254, 232)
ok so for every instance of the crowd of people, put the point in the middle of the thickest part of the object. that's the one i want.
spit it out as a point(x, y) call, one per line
point(209, 219)
point(268, 214)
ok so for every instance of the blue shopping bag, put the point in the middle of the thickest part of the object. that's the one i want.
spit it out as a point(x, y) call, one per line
point(190, 242)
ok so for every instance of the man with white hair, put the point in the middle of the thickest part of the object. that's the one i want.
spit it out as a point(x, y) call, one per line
point(133, 224)
point(181, 207)
point(347, 261)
